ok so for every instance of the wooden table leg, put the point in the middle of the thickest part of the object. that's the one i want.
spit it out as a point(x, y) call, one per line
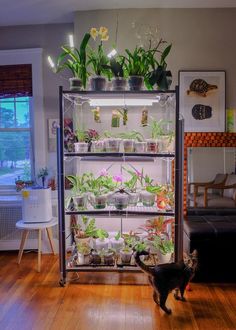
point(24, 236)
point(50, 237)
point(39, 249)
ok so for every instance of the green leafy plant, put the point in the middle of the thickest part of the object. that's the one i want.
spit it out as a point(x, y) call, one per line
point(116, 66)
point(85, 229)
point(163, 245)
point(136, 63)
point(75, 60)
point(118, 236)
point(159, 75)
point(83, 248)
point(140, 246)
point(79, 183)
point(133, 135)
point(81, 135)
point(101, 234)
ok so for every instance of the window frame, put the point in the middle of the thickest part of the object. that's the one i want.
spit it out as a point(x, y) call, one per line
point(21, 129)
point(33, 56)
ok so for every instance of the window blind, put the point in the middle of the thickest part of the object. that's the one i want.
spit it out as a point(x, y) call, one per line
point(15, 80)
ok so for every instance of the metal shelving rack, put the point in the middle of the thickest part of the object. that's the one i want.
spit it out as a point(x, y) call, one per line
point(177, 212)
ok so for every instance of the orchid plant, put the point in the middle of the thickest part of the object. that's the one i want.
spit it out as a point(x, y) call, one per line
point(97, 58)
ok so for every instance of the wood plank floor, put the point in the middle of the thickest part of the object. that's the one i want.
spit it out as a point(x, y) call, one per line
point(31, 300)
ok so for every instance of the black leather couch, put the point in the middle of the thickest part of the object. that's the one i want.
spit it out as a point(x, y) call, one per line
point(213, 234)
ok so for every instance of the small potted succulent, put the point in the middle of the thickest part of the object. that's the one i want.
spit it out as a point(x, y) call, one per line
point(83, 251)
point(116, 66)
point(95, 257)
point(109, 257)
point(98, 60)
point(75, 60)
point(136, 66)
point(102, 241)
point(117, 242)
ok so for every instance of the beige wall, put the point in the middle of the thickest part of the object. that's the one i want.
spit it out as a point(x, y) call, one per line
point(202, 38)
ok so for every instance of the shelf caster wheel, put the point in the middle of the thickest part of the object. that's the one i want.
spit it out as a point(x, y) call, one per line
point(62, 283)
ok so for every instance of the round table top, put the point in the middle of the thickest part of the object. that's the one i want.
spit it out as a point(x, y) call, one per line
point(36, 225)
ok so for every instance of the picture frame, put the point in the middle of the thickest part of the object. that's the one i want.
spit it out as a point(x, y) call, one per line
point(202, 100)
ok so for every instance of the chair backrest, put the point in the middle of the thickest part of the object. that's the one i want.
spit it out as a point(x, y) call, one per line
point(230, 193)
point(219, 178)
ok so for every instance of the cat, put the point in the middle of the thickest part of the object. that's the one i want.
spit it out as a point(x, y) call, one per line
point(167, 277)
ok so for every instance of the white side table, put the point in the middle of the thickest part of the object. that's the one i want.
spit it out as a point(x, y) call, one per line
point(26, 227)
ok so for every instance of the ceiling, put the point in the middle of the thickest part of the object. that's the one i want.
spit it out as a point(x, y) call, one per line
point(24, 12)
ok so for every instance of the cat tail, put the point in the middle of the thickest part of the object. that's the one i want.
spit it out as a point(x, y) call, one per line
point(148, 270)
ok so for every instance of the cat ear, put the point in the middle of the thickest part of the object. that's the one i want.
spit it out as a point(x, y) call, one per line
point(195, 254)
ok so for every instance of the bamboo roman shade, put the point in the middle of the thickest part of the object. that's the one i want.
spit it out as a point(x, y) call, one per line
point(15, 80)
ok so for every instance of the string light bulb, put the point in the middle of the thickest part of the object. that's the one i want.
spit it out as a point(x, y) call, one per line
point(71, 41)
point(51, 63)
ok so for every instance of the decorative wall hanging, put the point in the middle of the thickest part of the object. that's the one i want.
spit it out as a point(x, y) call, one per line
point(202, 100)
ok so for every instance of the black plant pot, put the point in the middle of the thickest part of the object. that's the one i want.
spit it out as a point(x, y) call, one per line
point(75, 84)
point(98, 83)
point(135, 83)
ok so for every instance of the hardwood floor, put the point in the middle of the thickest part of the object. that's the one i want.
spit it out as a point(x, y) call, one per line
point(31, 300)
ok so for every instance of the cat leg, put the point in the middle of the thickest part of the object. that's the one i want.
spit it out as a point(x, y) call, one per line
point(182, 289)
point(163, 298)
point(155, 293)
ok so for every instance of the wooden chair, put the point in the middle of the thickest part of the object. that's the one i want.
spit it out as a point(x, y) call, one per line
point(196, 196)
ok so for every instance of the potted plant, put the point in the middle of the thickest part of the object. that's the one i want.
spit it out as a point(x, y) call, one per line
point(131, 186)
point(75, 60)
point(43, 173)
point(95, 257)
point(116, 66)
point(162, 138)
point(79, 189)
point(129, 139)
point(136, 66)
point(111, 142)
point(159, 75)
point(98, 60)
point(83, 251)
point(117, 242)
point(149, 190)
point(102, 241)
point(164, 248)
point(84, 231)
point(82, 145)
point(108, 256)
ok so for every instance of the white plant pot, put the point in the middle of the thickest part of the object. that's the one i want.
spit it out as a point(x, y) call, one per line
point(163, 258)
point(83, 259)
point(101, 244)
point(81, 147)
point(83, 240)
point(117, 244)
point(166, 144)
point(147, 198)
point(140, 146)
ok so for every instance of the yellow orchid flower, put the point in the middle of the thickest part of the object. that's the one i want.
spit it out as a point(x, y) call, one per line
point(105, 37)
point(103, 31)
point(94, 33)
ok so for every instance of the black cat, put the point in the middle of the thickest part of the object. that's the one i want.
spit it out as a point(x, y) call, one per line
point(167, 277)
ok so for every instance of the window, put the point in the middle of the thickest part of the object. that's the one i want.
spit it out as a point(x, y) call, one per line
point(15, 140)
point(21, 93)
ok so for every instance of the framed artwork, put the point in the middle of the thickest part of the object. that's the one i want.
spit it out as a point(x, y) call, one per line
point(202, 100)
